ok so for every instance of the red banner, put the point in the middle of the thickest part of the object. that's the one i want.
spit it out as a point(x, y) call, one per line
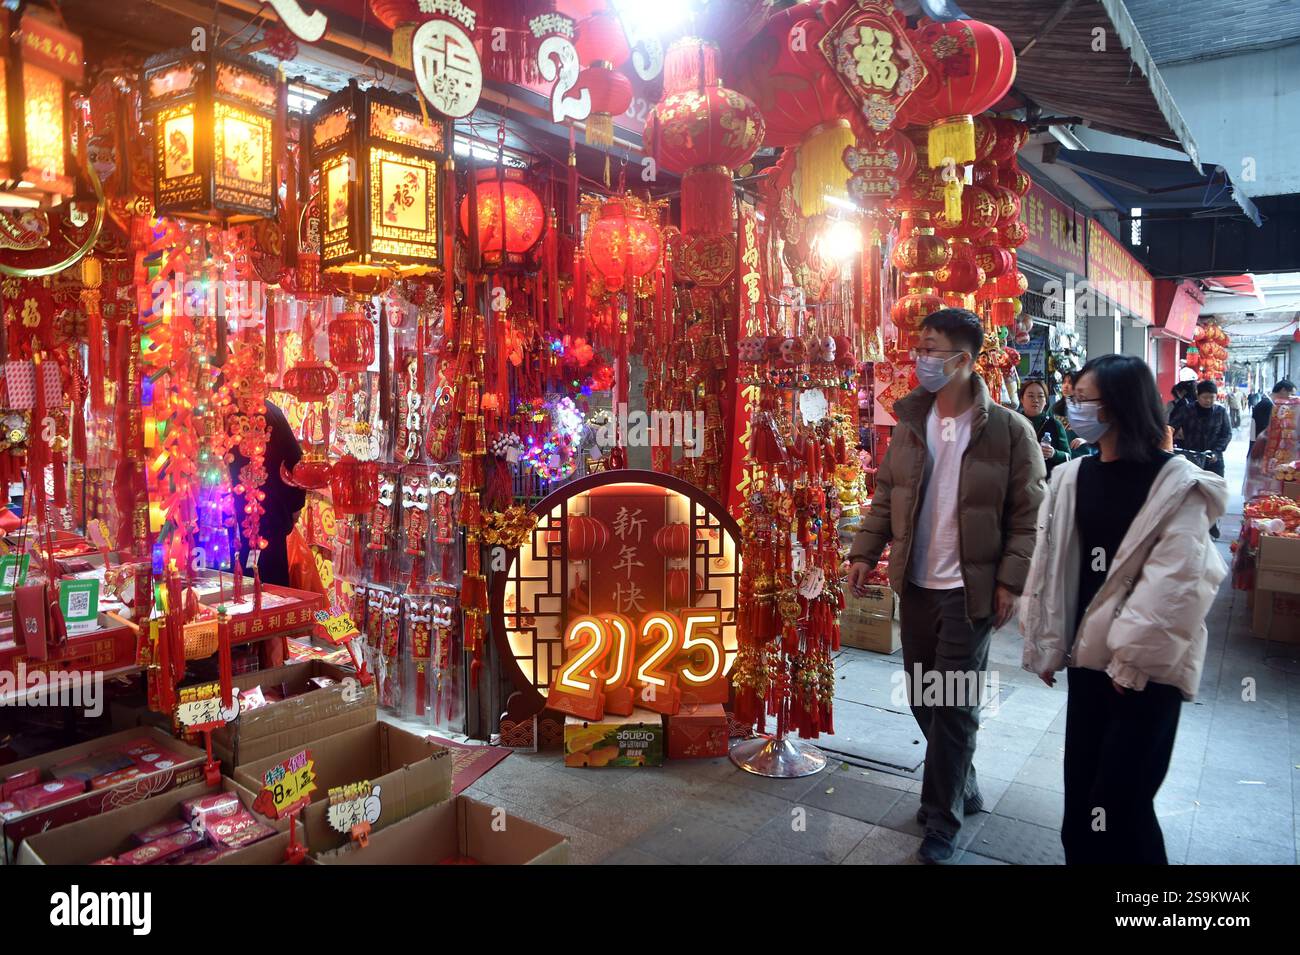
point(1056, 232)
point(627, 577)
point(1115, 273)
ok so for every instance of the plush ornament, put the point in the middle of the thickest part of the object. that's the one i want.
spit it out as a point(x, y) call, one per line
point(752, 349)
point(822, 350)
point(844, 355)
point(793, 351)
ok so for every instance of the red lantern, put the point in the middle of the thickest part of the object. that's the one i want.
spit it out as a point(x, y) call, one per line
point(909, 311)
point(588, 536)
point(1015, 178)
point(994, 260)
point(352, 342)
point(703, 130)
point(678, 580)
point(971, 66)
point(962, 273)
point(354, 485)
point(1011, 138)
point(1013, 235)
point(602, 48)
point(310, 381)
point(673, 541)
point(1008, 204)
point(979, 213)
point(623, 243)
point(511, 219)
point(986, 138)
point(922, 250)
point(311, 473)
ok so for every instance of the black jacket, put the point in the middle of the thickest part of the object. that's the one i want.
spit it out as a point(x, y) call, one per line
point(1205, 429)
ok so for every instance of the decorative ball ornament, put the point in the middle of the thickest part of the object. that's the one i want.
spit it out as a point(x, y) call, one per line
point(962, 274)
point(352, 342)
point(1015, 178)
point(922, 250)
point(910, 310)
point(354, 485)
point(1008, 204)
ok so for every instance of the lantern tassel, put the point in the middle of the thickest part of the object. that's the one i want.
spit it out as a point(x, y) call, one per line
point(819, 166)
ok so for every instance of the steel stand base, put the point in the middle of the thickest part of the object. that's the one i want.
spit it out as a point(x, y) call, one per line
point(778, 758)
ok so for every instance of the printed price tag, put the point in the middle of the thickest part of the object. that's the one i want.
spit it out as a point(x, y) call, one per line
point(337, 627)
point(287, 785)
point(813, 583)
point(352, 805)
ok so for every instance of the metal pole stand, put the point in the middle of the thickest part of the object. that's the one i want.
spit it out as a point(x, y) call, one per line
point(778, 758)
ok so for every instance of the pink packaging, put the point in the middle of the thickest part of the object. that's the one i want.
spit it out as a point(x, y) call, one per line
point(157, 851)
point(9, 810)
point(112, 779)
point(241, 829)
point(45, 794)
point(200, 856)
point(180, 842)
point(160, 830)
point(208, 808)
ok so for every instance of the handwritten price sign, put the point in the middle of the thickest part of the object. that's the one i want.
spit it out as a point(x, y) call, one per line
point(352, 805)
point(288, 785)
point(201, 706)
point(338, 627)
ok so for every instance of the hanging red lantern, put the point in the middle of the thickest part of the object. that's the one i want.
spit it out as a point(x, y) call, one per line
point(602, 48)
point(979, 213)
point(511, 218)
point(674, 540)
point(1011, 138)
point(354, 485)
point(352, 342)
point(588, 536)
point(910, 310)
point(310, 381)
point(1015, 178)
point(312, 472)
point(971, 66)
point(922, 250)
point(623, 241)
point(703, 131)
point(993, 259)
point(986, 138)
point(1013, 235)
point(962, 273)
point(1008, 204)
point(678, 581)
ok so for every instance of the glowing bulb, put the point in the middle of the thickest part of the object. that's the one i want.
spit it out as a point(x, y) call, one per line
point(842, 240)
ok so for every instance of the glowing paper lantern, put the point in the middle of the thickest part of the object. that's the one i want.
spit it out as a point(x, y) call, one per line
point(588, 536)
point(214, 153)
point(378, 162)
point(352, 342)
point(623, 241)
point(674, 540)
point(602, 47)
point(40, 62)
point(511, 219)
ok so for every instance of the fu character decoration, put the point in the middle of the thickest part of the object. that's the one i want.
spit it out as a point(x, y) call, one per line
point(379, 163)
point(213, 115)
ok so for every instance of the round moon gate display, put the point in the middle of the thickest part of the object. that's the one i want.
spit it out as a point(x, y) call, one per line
point(622, 596)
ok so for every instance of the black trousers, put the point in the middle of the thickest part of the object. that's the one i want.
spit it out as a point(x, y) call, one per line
point(1117, 750)
point(950, 652)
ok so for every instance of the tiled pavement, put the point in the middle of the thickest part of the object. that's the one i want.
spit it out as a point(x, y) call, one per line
point(1229, 797)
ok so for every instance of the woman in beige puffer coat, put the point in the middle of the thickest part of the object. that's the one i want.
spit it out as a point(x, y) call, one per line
point(1122, 577)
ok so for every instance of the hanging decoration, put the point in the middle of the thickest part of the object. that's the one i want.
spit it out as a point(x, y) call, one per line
point(447, 69)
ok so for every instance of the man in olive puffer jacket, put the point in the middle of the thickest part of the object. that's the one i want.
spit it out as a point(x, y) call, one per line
point(957, 494)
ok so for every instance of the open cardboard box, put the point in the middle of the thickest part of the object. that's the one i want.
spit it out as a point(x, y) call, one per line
point(297, 720)
point(183, 764)
point(868, 623)
point(411, 772)
point(109, 834)
point(458, 830)
point(1277, 564)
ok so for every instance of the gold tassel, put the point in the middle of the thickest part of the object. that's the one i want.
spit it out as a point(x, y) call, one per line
point(402, 34)
point(952, 138)
point(952, 201)
point(819, 166)
point(600, 129)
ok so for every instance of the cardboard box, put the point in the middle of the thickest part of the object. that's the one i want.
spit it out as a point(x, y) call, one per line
point(698, 732)
point(1291, 489)
point(297, 720)
point(1277, 564)
point(459, 830)
point(185, 766)
point(636, 740)
point(1276, 616)
point(411, 772)
point(868, 623)
point(110, 833)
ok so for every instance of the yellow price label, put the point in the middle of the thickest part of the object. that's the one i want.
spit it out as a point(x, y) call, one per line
point(336, 627)
point(201, 706)
point(290, 783)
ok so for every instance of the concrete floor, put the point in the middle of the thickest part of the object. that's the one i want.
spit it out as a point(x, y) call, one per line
point(1229, 797)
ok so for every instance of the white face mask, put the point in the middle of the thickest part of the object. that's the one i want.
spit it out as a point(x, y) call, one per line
point(931, 373)
point(1084, 423)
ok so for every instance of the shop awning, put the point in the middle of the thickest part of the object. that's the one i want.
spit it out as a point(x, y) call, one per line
point(1108, 81)
point(1171, 186)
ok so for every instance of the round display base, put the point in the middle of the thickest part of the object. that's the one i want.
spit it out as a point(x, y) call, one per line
point(778, 758)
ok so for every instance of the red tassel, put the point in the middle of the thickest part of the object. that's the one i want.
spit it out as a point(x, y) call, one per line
point(226, 670)
point(272, 362)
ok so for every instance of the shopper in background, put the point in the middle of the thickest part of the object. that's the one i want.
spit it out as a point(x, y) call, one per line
point(1051, 437)
point(1184, 397)
point(1262, 413)
point(1236, 405)
point(282, 503)
point(1119, 588)
point(956, 494)
point(1078, 446)
point(1207, 430)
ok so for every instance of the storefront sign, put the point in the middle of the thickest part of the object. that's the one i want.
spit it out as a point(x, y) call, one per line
point(1056, 232)
point(1115, 273)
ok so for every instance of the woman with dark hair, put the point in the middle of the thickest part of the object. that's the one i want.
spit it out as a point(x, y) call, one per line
point(1122, 577)
point(1048, 432)
point(1078, 446)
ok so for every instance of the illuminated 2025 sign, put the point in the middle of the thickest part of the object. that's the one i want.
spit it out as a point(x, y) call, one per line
point(613, 666)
